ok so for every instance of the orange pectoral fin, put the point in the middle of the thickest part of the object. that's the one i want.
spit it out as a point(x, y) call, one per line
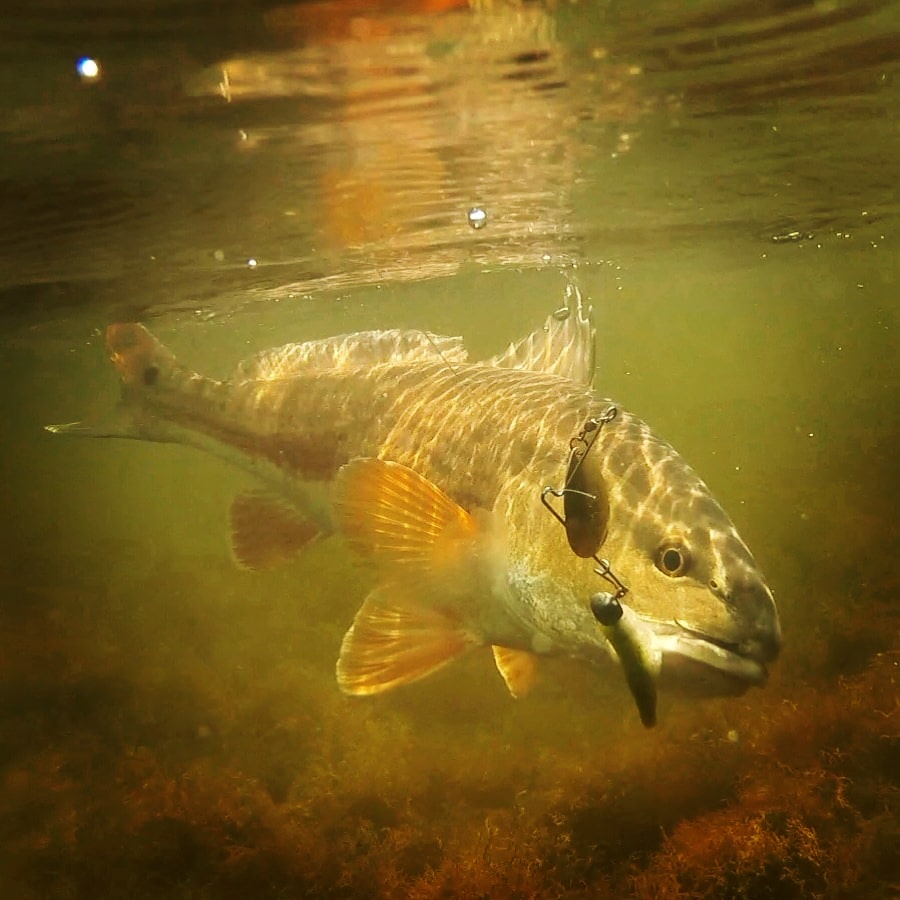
point(394, 515)
point(518, 668)
point(265, 532)
point(394, 641)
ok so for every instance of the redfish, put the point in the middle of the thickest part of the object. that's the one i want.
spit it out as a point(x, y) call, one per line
point(503, 503)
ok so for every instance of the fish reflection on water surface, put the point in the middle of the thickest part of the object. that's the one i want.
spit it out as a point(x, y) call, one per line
point(432, 467)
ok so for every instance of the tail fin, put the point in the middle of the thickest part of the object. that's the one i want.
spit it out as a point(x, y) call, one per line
point(144, 366)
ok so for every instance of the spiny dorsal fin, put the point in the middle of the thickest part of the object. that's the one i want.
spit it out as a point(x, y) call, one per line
point(266, 532)
point(518, 668)
point(564, 346)
point(395, 516)
point(394, 641)
point(349, 351)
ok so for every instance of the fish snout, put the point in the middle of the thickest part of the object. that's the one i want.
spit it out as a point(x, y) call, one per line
point(753, 605)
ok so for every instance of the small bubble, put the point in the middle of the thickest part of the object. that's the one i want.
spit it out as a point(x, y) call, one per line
point(251, 263)
point(219, 255)
point(477, 217)
point(545, 257)
point(87, 68)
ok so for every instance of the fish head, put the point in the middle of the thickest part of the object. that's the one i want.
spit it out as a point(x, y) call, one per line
point(689, 575)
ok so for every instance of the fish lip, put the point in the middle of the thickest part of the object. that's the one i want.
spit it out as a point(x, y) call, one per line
point(705, 663)
point(723, 643)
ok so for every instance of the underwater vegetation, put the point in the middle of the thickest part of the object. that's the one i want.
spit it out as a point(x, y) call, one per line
point(167, 735)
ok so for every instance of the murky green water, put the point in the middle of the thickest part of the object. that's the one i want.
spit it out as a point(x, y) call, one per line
point(720, 180)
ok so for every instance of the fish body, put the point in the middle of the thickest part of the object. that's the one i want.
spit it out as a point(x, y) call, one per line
point(433, 466)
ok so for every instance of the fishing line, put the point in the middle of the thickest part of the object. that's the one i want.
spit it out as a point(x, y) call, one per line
point(444, 359)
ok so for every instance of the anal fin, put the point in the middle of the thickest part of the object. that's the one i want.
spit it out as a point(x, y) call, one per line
point(266, 532)
point(518, 668)
point(394, 640)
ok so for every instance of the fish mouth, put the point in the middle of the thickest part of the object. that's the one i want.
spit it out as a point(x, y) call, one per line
point(704, 664)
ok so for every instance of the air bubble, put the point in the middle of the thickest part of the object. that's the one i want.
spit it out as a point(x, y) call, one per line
point(477, 217)
point(87, 68)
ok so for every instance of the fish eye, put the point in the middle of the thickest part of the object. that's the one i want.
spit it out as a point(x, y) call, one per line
point(672, 560)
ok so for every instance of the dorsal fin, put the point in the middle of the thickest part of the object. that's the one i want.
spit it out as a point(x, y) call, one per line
point(350, 351)
point(564, 346)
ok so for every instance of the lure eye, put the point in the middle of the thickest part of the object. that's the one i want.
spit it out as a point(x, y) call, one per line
point(672, 560)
